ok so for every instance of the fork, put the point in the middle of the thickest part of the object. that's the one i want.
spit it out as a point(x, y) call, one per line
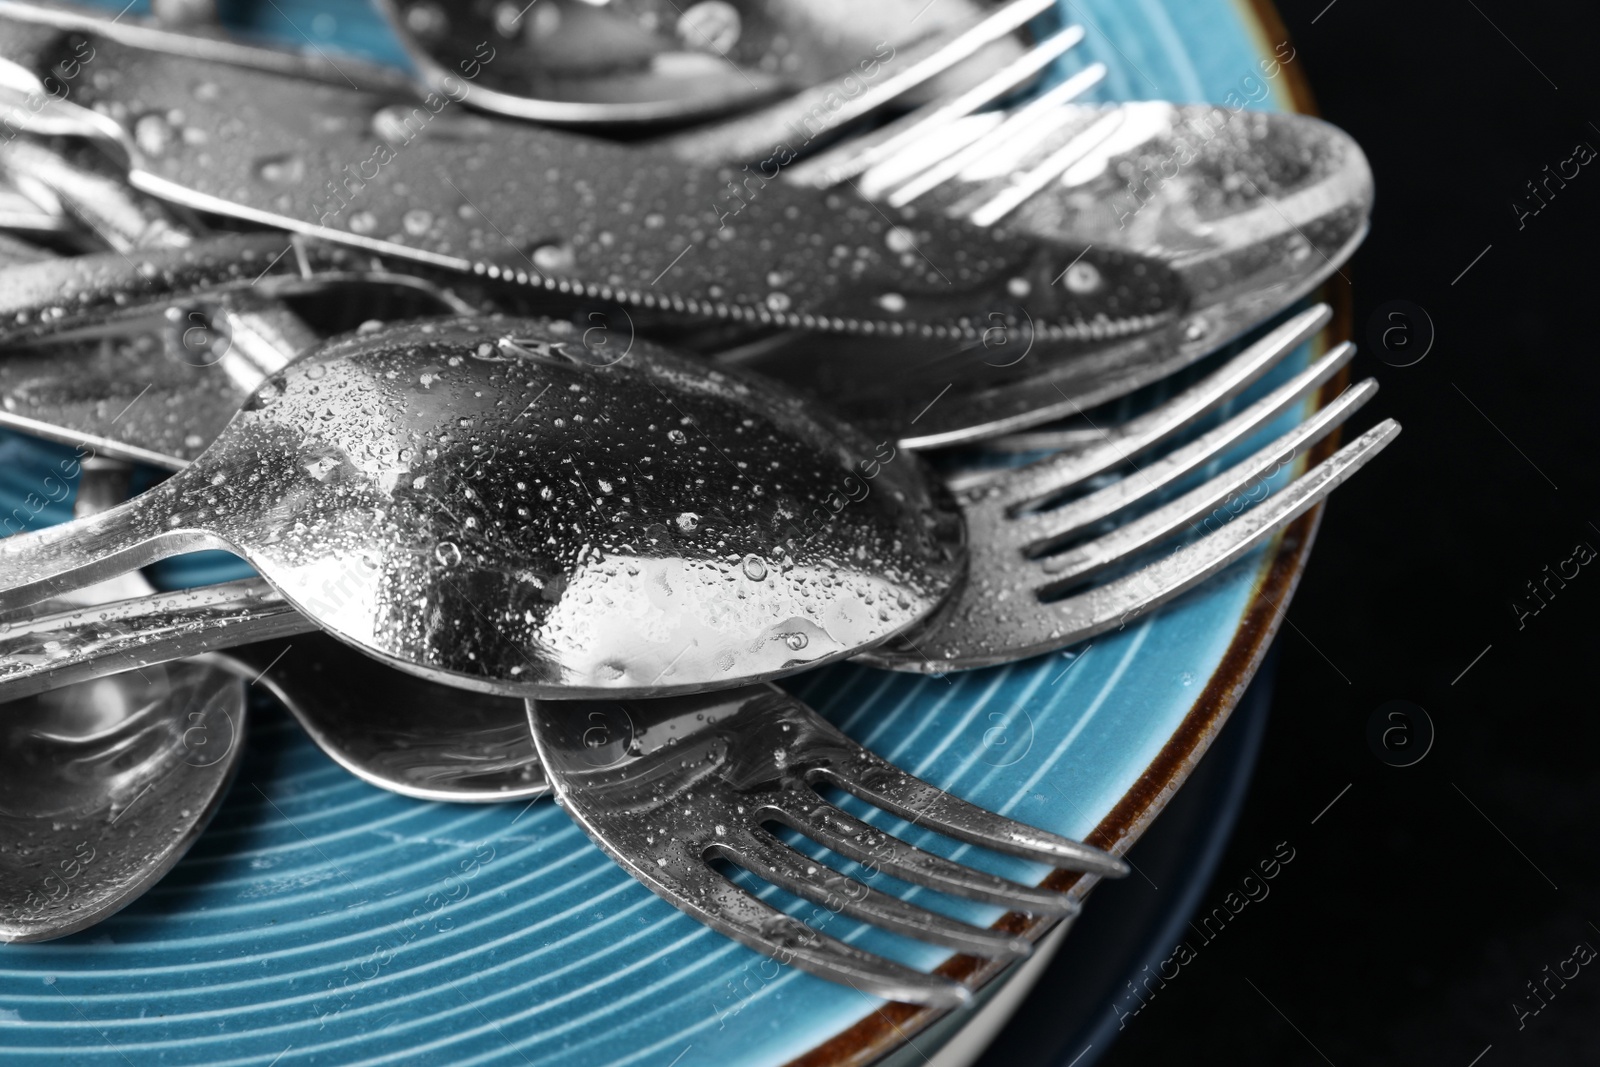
point(666, 787)
point(1044, 575)
point(997, 615)
point(952, 158)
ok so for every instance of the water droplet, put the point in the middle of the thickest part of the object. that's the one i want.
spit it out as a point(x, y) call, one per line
point(796, 641)
point(688, 522)
point(554, 258)
point(286, 169)
point(447, 553)
point(677, 437)
point(417, 221)
point(427, 20)
point(363, 222)
point(710, 26)
point(892, 302)
point(1082, 278)
point(152, 134)
point(755, 568)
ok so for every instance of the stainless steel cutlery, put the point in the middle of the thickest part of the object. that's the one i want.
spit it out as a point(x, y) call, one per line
point(310, 155)
point(668, 787)
point(1021, 594)
point(446, 494)
point(506, 548)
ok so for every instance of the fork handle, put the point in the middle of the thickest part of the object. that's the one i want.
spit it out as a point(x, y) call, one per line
point(59, 649)
point(45, 563)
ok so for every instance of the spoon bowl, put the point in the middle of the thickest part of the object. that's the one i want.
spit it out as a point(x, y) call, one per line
point(81, 756)
point(107, 785)
point(486, 504)
point(648, 63)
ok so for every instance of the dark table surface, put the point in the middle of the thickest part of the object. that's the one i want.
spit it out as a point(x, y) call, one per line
point(1423, 900)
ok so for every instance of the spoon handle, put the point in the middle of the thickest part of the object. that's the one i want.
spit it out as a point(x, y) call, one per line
point(45, 563)
point(57, 649)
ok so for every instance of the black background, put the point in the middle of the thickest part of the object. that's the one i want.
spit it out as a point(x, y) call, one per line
point(1422, 902)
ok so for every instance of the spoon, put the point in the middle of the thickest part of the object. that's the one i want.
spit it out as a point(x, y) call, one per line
point(398, 732)
point(109, 781)
point(401, 733)
point(165, 740)
point(107, 784)
point(487, 754)
point(579, 64)
point(642, 62)
point(476, 503)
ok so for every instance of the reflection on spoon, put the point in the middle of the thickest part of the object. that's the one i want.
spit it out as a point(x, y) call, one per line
point(107, 784)
point(109, 781)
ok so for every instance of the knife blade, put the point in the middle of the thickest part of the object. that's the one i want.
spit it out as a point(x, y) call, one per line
point(424, 180)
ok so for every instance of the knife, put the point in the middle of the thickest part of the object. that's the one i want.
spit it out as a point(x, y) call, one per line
point(366, 165)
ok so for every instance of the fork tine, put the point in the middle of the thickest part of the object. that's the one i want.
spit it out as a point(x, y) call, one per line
point(853, 158)
point(1032, 121)
point(870, 846)
point(769, 859)
point(1023, 442)
point(998, 24)
point(699, 890)
point(1148, 530)
point(924, 153)
point(751, 133)
point(1127, 598)
point(880, 782)
point(1024, 186)
point(1037, 531)
point(657, 814)
point(1112, 605)
point(1014, 487)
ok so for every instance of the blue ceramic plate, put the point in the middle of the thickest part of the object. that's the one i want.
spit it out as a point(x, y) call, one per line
point(320, 920)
